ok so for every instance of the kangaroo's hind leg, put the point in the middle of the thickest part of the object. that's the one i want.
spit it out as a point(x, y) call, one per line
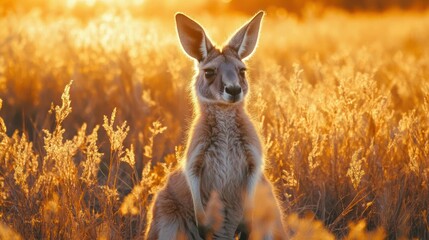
point(163, 229)
point(172, 212)
point(167, 228)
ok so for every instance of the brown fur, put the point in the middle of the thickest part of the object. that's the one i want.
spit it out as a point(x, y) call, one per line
point(224, 153)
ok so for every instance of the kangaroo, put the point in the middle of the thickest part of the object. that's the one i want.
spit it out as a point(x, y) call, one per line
point(224, 153)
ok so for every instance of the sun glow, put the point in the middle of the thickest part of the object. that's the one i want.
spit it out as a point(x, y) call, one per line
point(91, 3)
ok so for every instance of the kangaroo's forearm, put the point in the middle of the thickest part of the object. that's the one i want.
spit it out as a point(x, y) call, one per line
point(193, 172)
point(194, 185)
point(254, 156)
point(252, 180)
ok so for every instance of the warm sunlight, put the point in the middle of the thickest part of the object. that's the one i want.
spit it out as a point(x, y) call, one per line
point(92, 3)
point(101, 104)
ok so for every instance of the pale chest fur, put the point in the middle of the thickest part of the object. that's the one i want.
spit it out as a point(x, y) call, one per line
point(226, 156)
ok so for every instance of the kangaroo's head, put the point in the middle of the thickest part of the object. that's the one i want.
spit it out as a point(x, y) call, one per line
point(221, 74)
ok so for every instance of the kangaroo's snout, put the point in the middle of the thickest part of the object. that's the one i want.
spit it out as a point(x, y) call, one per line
point(233, 90)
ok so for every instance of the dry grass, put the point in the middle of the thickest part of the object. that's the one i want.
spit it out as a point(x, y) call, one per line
point(342, 101)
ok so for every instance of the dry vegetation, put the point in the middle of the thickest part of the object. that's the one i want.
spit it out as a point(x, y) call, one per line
point(342, 102)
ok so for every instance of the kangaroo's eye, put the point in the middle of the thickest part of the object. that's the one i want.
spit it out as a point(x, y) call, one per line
point(242, 72)
point(209, 73)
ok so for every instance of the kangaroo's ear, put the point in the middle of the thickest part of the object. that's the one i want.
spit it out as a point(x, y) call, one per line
point(192, 37)
point(244, 40)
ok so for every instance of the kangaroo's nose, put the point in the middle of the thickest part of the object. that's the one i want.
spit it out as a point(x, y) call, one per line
point(233, 90)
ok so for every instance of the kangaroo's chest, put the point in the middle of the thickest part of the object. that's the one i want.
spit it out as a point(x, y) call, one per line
point(225, 163)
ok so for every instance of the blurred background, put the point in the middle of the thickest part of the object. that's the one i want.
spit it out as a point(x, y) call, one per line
point(339, 91)
point(125, 54)
point(90, 8)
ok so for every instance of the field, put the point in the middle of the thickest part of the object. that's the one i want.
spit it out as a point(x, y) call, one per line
point(95, 107)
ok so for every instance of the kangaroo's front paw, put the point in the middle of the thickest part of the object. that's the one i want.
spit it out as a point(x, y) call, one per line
point(243, 230)
point(203, 231)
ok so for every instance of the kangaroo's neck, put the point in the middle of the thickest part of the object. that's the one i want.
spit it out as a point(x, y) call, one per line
point(215, 114)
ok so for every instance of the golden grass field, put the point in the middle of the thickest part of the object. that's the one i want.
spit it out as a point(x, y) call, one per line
point(95, 110)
